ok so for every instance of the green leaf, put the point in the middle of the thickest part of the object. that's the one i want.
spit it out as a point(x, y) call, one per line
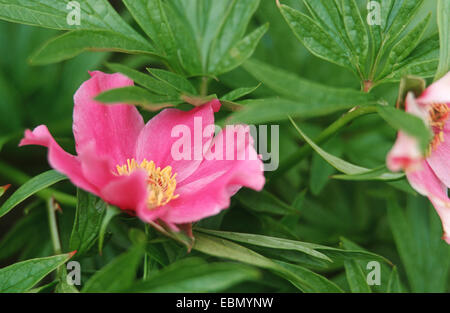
point(407, 122)
point(301, 277)
point(118, 275)
point(241, 51)
point(341, 165)
point(443, 12)
point(374, 174)
point(238, 93)
point(269, 242)
point(264, 201)
point(31, 187)
point(356, 32)
point(417, 233)
point(75, 42)
point(137, 96)
point(88, 218)
point(22, 276)
point(317, 40)
point(355, 277)
point(145, 80)
point(211, 277)
point(394, 284)
point(173, 80)
point(111, 211)
point(405, 46)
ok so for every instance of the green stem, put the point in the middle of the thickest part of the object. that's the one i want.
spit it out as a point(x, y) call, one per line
point(18, 177)
point(324, 135)
point(204, 86)
point(146, 258)
point(53, 226)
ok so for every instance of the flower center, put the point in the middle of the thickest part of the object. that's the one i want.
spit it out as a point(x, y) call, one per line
point(161, 183)
point(439, 114)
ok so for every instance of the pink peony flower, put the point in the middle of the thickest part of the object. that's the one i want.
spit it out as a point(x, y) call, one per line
point(129, 164)
point(430, 174)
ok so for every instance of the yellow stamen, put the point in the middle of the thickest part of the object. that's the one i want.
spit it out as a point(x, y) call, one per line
point(161, 182)
point(439, 114)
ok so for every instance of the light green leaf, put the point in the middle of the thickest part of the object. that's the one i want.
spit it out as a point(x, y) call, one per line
point(238, 93)
point(137, 96)
point(31, 187)
point(75, 42)
point(22, 276)
point(355, 277)
point(409, 123)
point(341, 165)
point(88, 218)
point(118, 275)
point(269, 242)
point(443, 13)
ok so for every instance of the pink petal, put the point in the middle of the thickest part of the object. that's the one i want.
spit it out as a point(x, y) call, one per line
point(208, 190)
point(58, 158)
point(439, 160)
point(428, 184)
point(157, 139)
point(438, 92)
point(405, 154)
point(113, 128)
point(127, 192)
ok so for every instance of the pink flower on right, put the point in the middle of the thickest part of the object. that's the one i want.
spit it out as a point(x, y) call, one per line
point(430, 174)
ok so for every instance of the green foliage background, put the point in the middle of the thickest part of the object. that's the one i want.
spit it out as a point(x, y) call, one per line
point(324, 214)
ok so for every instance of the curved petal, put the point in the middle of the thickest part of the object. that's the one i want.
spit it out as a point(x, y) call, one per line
point(438, 92)
point(439, 160)
point(113, 128)
point(128, 192)
point(405, 154)
point(160, 138)
point(207, 191)
point(428, 184)
point(58, 158)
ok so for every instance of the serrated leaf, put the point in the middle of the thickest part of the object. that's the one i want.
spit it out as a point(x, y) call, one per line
point(88, 218)
point(31, 187)
point(117, 275)
point(22, 276)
